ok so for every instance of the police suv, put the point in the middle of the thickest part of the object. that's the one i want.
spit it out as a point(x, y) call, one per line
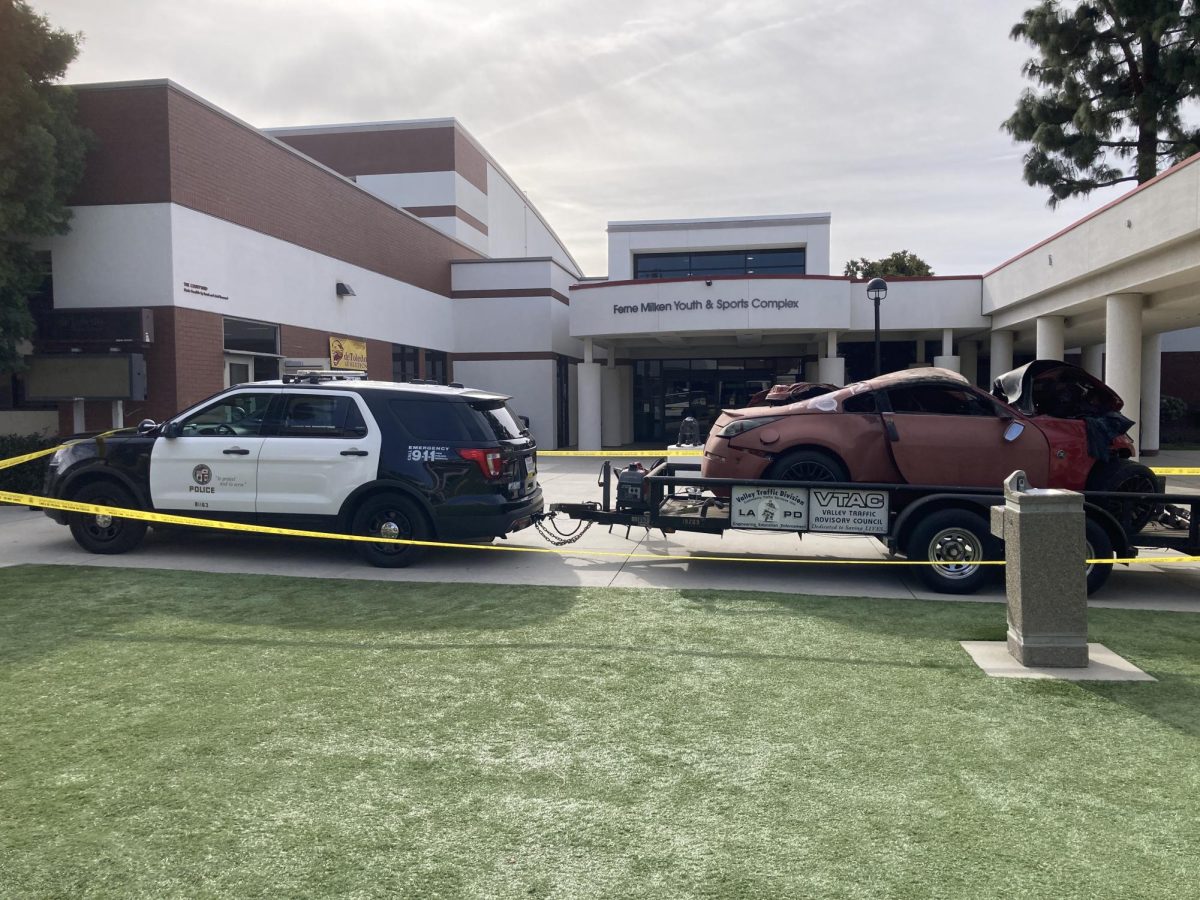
point(318, 451)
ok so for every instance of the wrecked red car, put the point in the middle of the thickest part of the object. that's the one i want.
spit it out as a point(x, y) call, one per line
point(786, 394)
point(932, 427)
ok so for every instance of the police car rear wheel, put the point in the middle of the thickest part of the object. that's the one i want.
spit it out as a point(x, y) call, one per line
point(391, 516)
point(102, 533)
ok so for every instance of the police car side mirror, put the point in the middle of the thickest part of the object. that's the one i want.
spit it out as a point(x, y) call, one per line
point(172, 430)
point(146, 426)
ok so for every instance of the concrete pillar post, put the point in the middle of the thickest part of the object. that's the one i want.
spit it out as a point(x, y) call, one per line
point(968, 360)
point(590, 397)
point(1044, 575)
point(626, 373)
point(920, 350)
point(1050, 337)
point(830, 368)
point(590, 401)
point(610, 405)
point(947, 342)
point(1123, 366)
point(1093, 360)
point(1002, 354)
point(1151, 393)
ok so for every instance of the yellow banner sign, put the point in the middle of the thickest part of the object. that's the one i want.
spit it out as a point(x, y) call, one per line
point(345, 353)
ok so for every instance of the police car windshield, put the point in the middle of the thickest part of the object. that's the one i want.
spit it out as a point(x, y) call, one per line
point(499, 419)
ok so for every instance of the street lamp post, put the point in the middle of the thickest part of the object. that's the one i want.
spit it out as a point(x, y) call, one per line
point(876, 291)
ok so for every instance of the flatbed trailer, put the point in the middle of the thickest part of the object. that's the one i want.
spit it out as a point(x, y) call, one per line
point(944, 525)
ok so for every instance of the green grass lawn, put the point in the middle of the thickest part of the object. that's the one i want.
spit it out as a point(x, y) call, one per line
point(174, 734)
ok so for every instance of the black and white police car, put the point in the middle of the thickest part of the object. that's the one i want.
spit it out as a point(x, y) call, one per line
point(317, 451)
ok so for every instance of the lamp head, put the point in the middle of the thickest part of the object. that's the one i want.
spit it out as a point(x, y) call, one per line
point(876, 289)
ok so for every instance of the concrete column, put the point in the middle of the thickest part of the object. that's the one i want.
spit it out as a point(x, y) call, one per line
point(78, 415)
point(590, 400)
point(831, 369)
point(1050, 337)
point(946, 359)
point(968, 356)
point(1123, 332)
point(1093, 360)
point(920, 350)
point(118, 414)
point(1002, 354)
point(953, 363)
point(610, 407)
point(1151, 393)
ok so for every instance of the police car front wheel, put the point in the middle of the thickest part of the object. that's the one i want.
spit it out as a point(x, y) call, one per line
point(101, 532)
point(395, 517)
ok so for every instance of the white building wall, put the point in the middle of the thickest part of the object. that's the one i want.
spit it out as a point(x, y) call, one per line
point(625, 239)
point(530, 383)
point(919, 305)
point(273, 280)
point(114, 256)
point(514, 227)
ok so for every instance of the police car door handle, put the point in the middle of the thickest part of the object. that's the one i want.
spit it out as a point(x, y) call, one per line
point(235, 451)
point(354, 453)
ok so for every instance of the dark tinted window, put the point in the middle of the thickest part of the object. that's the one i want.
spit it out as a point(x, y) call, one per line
point(786, 261)
point(434, 420)
point(502, 424)
point(859, 403)
point(251, 337)
point(936, 399)
point(320, 416)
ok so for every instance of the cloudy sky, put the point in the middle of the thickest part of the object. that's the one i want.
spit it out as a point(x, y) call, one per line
point(885, 114)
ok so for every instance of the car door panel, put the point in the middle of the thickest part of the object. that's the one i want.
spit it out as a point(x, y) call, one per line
point(315, 462)
point(955, 437)
point(211, 467)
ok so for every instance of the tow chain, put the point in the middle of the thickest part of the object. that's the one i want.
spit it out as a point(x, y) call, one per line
point(556, 537)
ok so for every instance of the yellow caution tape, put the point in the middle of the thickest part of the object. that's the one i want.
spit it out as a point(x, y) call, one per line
point(640, 454)
point(1175, 470)
point(170, 519)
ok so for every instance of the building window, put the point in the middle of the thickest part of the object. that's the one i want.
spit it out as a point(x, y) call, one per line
point(406, 364)
point(243, 336)
point(786, 261)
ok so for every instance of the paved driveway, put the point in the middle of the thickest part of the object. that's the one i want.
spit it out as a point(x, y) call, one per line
point(30, 537)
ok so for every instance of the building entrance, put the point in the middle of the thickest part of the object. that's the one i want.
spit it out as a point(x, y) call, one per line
point(666, 391)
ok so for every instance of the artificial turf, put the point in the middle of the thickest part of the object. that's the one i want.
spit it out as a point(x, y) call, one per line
point(177, 734)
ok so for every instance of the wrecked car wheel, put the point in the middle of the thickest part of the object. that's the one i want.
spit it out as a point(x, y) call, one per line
point(1126, 477)
point(958, 541)
point(807, 465)
point(1099, 546)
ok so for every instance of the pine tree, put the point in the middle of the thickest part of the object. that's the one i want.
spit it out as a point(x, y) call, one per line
point(1113, 78)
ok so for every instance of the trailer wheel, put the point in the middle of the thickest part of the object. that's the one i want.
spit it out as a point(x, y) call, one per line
point(1099, 546)
point(958, 541)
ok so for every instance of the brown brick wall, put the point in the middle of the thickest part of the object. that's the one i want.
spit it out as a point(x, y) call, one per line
point(156, 143)
point(295, 341)
point(129, 160)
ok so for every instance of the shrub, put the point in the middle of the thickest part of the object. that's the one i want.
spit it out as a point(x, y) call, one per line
point(1172, 409)
point(26, 478)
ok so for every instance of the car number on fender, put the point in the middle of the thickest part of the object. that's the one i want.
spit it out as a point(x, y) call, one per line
point(839, 510)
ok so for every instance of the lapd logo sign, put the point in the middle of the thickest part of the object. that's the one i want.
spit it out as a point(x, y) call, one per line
point(202, 474)
point(776, 508)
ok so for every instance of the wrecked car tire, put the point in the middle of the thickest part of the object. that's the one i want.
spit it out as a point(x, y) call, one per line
point(807, 465)
point(1099, 546)
point(1126, 476)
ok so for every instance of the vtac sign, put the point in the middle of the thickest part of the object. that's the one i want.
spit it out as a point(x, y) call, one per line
point(838, 510)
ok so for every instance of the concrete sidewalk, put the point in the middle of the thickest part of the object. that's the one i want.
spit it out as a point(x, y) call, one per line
point(30, 537)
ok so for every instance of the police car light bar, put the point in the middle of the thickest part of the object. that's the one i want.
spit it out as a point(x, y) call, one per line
point(316, 376)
